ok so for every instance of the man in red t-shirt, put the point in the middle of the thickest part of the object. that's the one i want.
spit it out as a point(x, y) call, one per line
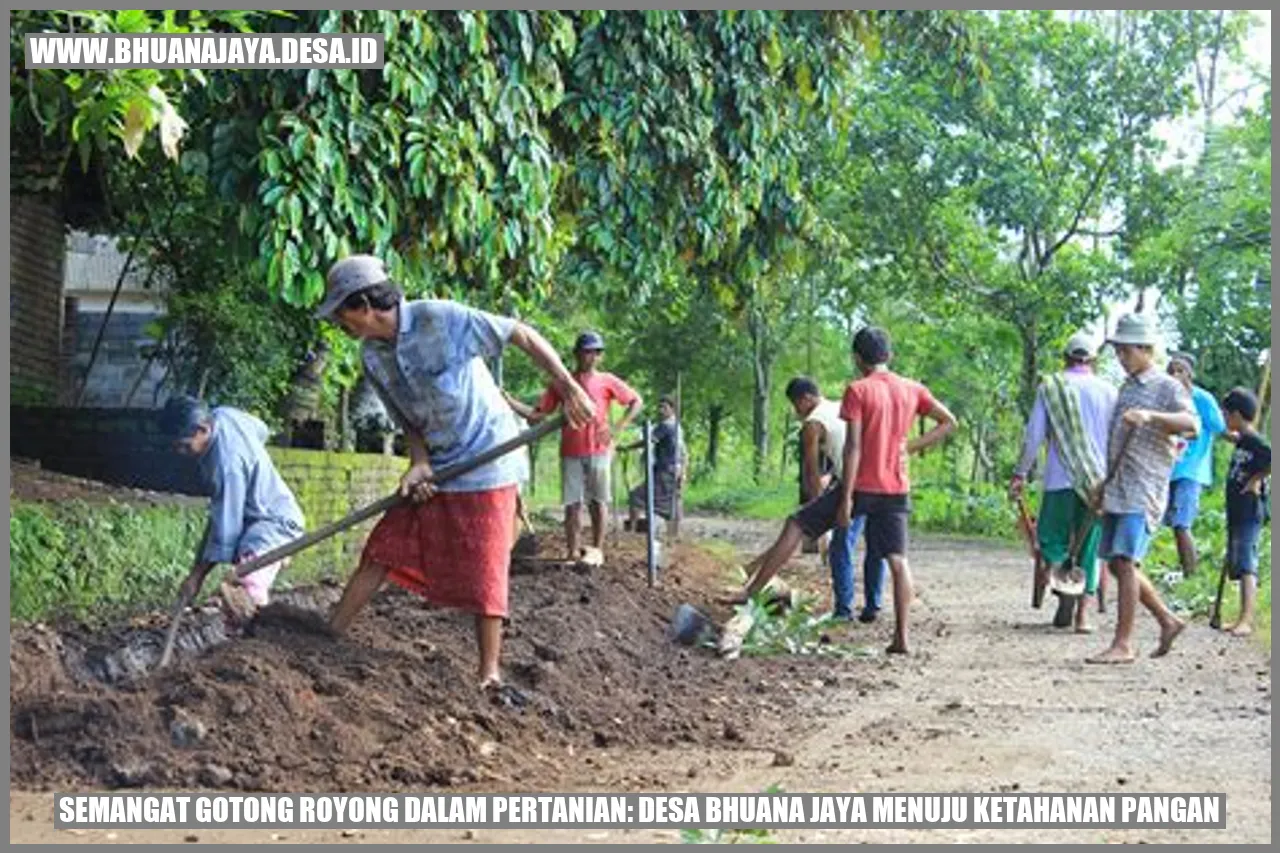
point(879, 409)
point(586, 453)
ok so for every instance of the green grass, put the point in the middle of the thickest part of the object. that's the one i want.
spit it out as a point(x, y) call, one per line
point(732, 836)
point(98, 562)
point(92, 562)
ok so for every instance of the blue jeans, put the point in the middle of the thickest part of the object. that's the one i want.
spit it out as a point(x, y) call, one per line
point(1242, 547)
point(1184, 504)
point(842, 574)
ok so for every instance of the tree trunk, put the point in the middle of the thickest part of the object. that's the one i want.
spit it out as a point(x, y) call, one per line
point(346, 438)
point(977, 455)
point(782, 446)
point(715, 414)
point(762, 367)
point(1030, 367)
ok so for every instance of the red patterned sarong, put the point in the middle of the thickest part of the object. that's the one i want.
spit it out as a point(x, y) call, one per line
point(453, 550)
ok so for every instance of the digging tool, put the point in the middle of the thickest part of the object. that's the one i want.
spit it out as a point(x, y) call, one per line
point(1215, 620)
point(191, 587)
point(1040, 580)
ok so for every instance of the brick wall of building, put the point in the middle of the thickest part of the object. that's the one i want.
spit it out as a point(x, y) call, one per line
point(37, 240)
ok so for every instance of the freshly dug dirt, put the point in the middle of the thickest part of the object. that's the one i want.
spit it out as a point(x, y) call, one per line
point(395, 705)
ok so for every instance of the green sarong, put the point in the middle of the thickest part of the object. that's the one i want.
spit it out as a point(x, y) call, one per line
point(1062, 513)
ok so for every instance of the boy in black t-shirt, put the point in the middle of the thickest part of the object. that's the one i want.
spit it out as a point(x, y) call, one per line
point(1246, 500)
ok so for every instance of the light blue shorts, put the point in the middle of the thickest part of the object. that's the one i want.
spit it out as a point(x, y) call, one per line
point(1184, 504)
point(1125, 535)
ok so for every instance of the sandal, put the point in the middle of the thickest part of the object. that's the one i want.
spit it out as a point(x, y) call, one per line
point(504, 695)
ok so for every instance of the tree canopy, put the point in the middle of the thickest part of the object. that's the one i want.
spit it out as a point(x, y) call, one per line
point(728, 195)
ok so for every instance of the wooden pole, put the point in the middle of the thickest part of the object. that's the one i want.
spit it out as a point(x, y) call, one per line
point(1264, 389)
point(677, 496)
point(651, 525)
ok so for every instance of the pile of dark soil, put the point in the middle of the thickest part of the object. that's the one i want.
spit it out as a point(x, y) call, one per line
point(395, 705)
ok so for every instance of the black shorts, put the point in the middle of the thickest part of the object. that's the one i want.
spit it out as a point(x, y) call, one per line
point(886, 529)
point(819, 515)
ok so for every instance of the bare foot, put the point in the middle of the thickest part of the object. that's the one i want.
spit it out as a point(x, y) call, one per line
point(896, 648)
point(1167, 636)
point(1240, 630)
point(1082, 616)
point(733, 597)
point(1115, 654)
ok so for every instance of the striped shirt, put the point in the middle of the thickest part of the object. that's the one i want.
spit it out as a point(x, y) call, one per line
point(1141, 481)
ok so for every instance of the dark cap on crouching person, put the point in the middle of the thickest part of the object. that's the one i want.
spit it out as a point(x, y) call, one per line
point(182, 416)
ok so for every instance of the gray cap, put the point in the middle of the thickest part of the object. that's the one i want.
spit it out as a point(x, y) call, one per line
point(1079, 346)
point(589, 341)
point(350, 275)
point(1136, 330)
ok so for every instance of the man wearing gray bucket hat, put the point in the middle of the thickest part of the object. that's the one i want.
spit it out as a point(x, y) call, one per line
point(426, 361)
point(1152, 409)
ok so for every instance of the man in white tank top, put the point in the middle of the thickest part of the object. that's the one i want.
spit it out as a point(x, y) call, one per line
point(822, 440)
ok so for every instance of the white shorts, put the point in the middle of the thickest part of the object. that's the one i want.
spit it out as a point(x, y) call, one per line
point(258, 584)
point(585, 478)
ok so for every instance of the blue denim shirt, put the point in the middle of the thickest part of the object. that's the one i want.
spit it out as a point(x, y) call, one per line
point(434, 382)
point(252, 510)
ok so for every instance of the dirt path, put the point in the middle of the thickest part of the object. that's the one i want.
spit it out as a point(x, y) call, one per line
point(992, 700)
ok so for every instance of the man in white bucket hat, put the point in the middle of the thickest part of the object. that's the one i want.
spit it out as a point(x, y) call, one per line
point(1152, 409)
